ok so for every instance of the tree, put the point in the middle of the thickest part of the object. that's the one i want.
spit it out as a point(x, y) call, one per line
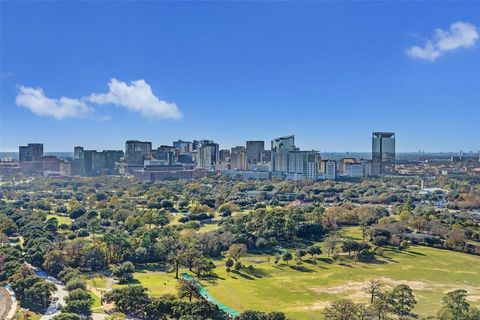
point(374, 289)
point(80, 302)
point(313, 251)
point(331, 243)
point(380, 307)
point(130, 299)
point(67, 316)
point(456, 238)
point(124, 272)
point(236, 251)
point(188, 289)
point(117, 316)
point(32, 291)
point(160, 308)
point(343, 309)
point(287, 256)
point(76, 283)
point(258, 315)
point(299, 253)
point(349, 246)
point(197, 310)
point(401, 300)
point(229, 264)
point(455, 306)
point(55, 261)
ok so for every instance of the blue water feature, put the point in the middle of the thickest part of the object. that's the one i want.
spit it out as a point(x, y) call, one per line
point(204, 293)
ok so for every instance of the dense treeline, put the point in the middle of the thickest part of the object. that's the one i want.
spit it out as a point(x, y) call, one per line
point(71, 227)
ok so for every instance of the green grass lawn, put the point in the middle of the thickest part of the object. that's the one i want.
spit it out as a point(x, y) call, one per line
point(61, 219)
point(157, 283)
point(98, 282)
point(209, 226)
point(97, 304)
point(303, 294)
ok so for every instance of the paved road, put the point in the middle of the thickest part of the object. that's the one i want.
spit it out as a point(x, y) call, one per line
point(59, 295)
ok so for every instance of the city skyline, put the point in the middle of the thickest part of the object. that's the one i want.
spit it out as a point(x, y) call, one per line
point(232, 73)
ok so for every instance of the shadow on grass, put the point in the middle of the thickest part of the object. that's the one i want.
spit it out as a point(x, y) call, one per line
point(213, 277)
point(243, 275)
point(256, 272)
point(390, 260)
point(302, 269)
point(150, 267)
point(344, 264)
point(131, 282)
point(325, 260)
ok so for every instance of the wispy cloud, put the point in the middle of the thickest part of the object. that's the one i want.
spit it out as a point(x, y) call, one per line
point(136, 96)
point(460, 35)
point(35, 100)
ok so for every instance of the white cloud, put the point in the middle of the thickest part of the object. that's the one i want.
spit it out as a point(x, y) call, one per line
point(460, 35)
point(35, 100)
point(136, 96)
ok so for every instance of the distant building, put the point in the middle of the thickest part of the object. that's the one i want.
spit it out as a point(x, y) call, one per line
point(136, 152)
point(266, 156)
point(154, 172)
point(94, 163)
point(167, 154)
point(224, 155)
point(30, 152)
point(254, 151)
point(51, 163)
point(330, 170)
point(286, 143)
point(183, 146)
point(113, 158)
point(238, 158)
point(344, 162)
point(354, 170)
point(311, 172)
point(280, 161)
point(208, 155)
point(185, 158)
point(383, 153)
point(76, 152)
point(261, 167)
point(197, 144)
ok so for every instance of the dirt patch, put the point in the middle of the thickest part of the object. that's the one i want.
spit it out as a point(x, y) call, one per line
point(318, 306)
point(5, 303)
point(473, 298)
point(356, 289)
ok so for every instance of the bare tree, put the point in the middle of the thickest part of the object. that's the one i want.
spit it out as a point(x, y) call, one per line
point(374, 288)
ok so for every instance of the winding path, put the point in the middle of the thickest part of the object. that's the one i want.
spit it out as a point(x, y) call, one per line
point(12, 304)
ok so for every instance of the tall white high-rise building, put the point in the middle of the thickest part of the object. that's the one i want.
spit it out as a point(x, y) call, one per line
point(238, 158)
point(330, 170)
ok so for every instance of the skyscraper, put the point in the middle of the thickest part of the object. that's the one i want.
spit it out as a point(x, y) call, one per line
point(208, 156)
point(286, 143)
point(136, 152)
point(183, 146)
point(383, 153)
point(238, 158)
point(254, 151)
point(76, 152)
point(224, 155)
point(30, 152)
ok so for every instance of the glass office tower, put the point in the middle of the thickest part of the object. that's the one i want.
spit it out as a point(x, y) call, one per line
point(383, 153)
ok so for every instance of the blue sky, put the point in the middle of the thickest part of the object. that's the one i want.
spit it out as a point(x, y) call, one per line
point(328, 72)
